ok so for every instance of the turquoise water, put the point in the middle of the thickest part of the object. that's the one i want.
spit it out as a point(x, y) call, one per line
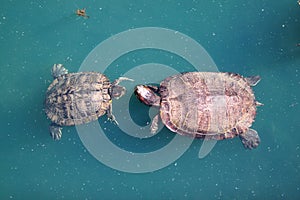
point(246, 37)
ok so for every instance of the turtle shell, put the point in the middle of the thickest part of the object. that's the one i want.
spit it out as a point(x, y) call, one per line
point(77, 98)
point(217, 105)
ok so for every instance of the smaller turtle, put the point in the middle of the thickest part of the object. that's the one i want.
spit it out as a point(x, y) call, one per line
point(78, 98)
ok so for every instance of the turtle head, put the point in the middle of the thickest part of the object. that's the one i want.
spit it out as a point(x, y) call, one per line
point(147, 95)
point(117, 91)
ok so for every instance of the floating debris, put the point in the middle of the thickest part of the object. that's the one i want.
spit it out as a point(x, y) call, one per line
point(82, 13)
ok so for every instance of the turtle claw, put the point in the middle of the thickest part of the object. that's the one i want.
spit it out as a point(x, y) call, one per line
point(112, 119)
point(55, 131)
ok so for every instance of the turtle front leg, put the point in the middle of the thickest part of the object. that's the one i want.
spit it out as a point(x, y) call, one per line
point(55, 131)
point(110, 116)
point(154, 124)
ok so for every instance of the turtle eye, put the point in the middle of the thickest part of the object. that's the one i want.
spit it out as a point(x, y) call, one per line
point(118, 91)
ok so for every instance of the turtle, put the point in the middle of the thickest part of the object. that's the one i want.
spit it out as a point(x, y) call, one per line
point(210, 105)
point(78, 98)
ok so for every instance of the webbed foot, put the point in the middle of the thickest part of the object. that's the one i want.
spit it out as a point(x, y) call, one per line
point(55, 131)
point(58, 70)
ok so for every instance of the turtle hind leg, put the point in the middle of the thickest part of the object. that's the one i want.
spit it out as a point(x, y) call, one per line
point(55, 131)
point(58, 70)
point(250, 139)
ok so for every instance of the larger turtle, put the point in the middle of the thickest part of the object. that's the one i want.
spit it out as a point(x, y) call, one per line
point(210, 105)
point(78, 98)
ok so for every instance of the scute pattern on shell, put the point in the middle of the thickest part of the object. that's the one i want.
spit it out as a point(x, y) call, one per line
point(217, 105)
point(77, 98)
